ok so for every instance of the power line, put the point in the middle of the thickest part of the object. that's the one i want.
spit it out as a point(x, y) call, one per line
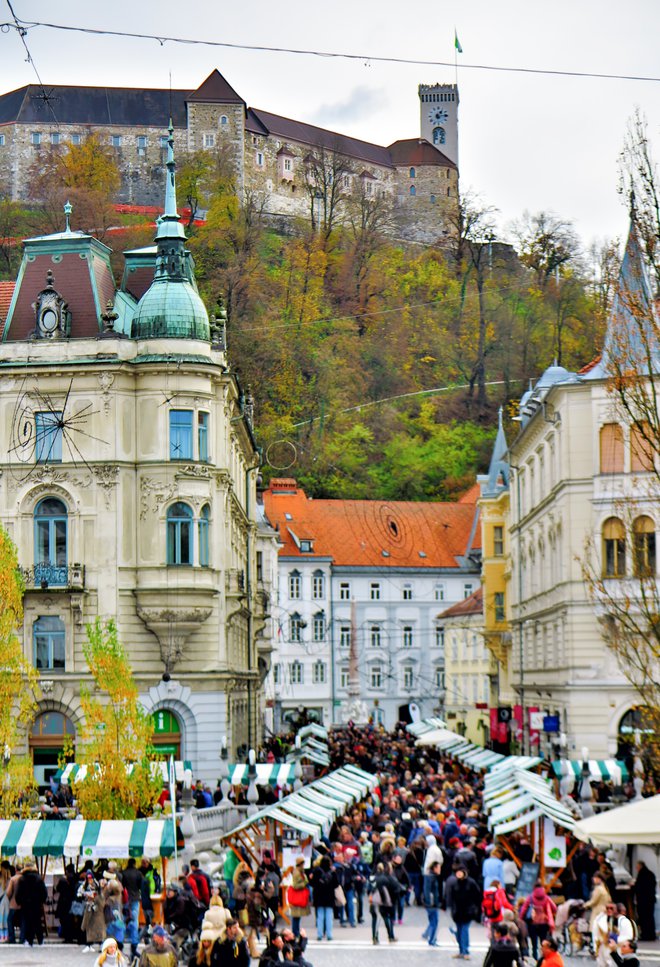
point(22, 30)
point(162, 39)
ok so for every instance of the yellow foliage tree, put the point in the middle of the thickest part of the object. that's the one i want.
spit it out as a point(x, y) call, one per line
point(18, 687)
point(115, 739)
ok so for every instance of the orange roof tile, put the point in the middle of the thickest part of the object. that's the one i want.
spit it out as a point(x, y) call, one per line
point(6, 292)
point(474, 604)
point(472, 495)
point(372, 533)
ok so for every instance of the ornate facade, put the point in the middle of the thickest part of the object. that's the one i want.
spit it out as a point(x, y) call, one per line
point(127, 483)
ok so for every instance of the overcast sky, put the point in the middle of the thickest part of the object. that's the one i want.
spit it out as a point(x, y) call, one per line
point(525, 141)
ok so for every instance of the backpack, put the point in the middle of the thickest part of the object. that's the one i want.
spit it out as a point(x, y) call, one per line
point(539, 913)
point(491, 905)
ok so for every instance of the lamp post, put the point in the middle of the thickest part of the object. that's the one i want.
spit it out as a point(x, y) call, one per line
point(6, 759)
point(252, 791)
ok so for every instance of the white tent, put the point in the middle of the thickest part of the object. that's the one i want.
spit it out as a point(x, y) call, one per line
point(635, 824)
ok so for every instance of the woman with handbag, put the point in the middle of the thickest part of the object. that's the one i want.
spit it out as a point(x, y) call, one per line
point(93, 921)
point(298, 895)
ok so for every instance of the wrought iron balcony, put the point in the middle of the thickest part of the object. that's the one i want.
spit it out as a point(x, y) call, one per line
point(45, 576)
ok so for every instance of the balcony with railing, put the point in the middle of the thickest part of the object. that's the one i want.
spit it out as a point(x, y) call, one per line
point(56, 577)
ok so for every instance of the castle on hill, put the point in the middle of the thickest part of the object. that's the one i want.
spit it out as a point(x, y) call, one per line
point(293, 169)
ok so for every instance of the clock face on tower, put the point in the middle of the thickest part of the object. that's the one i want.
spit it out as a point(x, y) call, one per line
point(438, 114)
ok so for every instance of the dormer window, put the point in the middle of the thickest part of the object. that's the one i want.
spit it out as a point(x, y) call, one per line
point(306, 547)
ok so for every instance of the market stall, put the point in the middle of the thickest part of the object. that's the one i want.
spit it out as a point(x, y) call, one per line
point(635, 824)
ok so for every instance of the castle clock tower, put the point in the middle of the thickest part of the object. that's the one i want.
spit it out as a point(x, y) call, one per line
point(439, 117)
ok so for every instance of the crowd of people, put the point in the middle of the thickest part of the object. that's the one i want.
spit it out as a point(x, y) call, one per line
point(420, 838)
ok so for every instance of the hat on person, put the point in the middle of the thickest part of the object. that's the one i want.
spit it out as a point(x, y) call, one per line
point(300, 861)
point(110, 942)
point(159, 932)
point(207, 935)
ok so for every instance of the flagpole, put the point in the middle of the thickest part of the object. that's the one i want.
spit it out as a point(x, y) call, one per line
point(455, 58)
point(173, 810)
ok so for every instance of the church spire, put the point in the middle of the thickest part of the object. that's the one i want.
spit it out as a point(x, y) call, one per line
point(170, 236)
point(498, 471)
point(631, 344)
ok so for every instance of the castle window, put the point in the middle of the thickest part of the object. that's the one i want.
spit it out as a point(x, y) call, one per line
point(179, 534)
point(287, 164)
point(412, 172)
point(209, 140)
point(448, 174)
point(614, 548)
point(224, 120)
point(439, 136)
point(163, 140)
point(2, 140)
point(141, 141)
point(115, 140)
point(203, 534)
point(296, 673)
point(181, 434)
point(48, 641)
point(203, 436)
point(260, 159)
point(76, 139)
point(318, 585)
point(318, 626)
point(433, 199)
point(35, 137)
point(413, 190)
point(55, 137)
point(50, 542)
point(644, 547)
point(499, 605)
point(449, 193)
point(48, 437)
point(641, 447)
point(611, 448)
point(319, 672)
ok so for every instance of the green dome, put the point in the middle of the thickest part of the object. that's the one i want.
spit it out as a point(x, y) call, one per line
point(171, 310)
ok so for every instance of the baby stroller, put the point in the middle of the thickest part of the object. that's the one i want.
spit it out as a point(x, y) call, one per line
point(572, 931)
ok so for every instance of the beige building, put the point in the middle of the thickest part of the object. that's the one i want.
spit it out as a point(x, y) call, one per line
point(470, 669)
point(127, 482)
point(290, 169)
point(578, 477)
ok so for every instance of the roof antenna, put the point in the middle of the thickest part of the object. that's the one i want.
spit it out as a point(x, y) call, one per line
point(170, 95)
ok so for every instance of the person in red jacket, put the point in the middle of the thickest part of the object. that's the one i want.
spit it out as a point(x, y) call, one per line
point(542, 916)
point(495, 901)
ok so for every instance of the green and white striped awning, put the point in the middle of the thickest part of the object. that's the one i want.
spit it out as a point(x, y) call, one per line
point(72, 772)
point(313, 809)
point(110, 839)
point(314, 729)
point(523, 798)
point(426, 725)
point(275, 774)
point(599, 769)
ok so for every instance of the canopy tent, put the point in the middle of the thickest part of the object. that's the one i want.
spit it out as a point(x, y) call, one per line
point(528, 797)
point(319, 731)
point(72, 772)
point(307, 813)
point(599, 769)
point(635, 824)
point(277, 774)
point(426, 725)
point(111, 838)
point(311, 748)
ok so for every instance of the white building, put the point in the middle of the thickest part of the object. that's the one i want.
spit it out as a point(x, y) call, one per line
point(386, 568)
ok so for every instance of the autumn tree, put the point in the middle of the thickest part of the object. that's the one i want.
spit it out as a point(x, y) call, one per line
point(327, 175)
point(18, 689)
point(638, 179)
point(115, 739)
point(85, 174)
point(204, 176)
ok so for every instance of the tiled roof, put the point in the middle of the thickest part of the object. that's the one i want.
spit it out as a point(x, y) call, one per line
point(216, 89)
point(289, 130)
point(592, 365)
point(472, 495)
point(6, 292)
point(127, 106)
point(474, 604)
point(370, 533)
point(418, 151)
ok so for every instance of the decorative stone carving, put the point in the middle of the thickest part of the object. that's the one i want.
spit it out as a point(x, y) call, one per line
point(202, 471)
point(46, 686)
point(105, 382)
point(106, 478)
point(172, 626)
point(159, 490)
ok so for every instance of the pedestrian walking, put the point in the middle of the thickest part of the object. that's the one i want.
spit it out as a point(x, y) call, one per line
point(324, 882)
point(160, 952)
point(432, 906)
point(31, 894)
point(503, 951)
point(298, 895)
point(463, 901)
point(541, 920)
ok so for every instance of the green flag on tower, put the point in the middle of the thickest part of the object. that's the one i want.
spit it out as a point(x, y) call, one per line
point(457, 43)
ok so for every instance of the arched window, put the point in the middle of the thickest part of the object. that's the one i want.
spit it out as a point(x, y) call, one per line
point(48, 640)
point(50, 542)
point(611, 448)
point(413, 190)
point(224, 119)
point(203, 532)
point(48, 736)
point(641, 447)
point(179, 534)
point(439, 136)
point(412, 172)
point(166, 738)
point(644, 546)
point(614, 548)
